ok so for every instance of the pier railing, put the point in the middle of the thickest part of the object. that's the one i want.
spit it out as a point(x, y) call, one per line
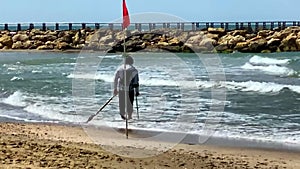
point(185, 26)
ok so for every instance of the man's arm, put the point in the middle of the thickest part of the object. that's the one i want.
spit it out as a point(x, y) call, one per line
point(136, 83)
point(116, 80)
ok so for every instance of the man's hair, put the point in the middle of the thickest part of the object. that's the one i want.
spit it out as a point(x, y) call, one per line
point(129, 60)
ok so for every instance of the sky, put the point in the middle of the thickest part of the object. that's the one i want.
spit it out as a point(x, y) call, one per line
point(105, 11)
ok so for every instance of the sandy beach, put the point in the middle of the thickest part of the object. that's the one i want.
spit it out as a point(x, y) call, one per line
point(31, 145)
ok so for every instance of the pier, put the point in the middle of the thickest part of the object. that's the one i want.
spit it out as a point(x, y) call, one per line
point(185, 26)
point(250, 37)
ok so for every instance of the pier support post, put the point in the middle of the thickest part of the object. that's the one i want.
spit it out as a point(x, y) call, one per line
point(97, 26)
point(83, 26)
point(283, 25)
point(153, 26)
point(272, 25)
point(279, 25)
point(207, 25)
point(44, 26)
point(237, 25)
point(178, 26)
point(249, 25)
point(138, 27)
point(241, 25)
point(226, 26)
point(70, 26)
point(256, 26)
point(294, 23)
point(31, 26)
point(111, 26)
point(57, 26)
point(19, 28)
point(6, 26)
point(264, 25)
point(222, 25)
point(197, 25)
point(193, 26)
point(182, 26)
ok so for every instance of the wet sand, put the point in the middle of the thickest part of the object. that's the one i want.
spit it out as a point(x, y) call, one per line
point(27, 145)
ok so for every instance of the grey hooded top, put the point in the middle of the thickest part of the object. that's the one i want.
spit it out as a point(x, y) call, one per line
point(132, 78)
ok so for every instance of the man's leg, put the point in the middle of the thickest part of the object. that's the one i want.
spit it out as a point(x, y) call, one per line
point(122, 104)
point(130, 104)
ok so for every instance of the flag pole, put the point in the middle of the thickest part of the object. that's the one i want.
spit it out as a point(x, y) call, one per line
point(125, 80)
point(126, 23)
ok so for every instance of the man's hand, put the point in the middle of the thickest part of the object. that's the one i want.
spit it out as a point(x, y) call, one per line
point(115, 92)
point(137, 94)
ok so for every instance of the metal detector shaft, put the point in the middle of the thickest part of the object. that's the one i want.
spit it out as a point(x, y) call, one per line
point(137, 107)
point(93, 115)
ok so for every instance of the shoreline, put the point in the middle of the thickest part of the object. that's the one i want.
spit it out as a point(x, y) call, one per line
point(180, 137)
point(193, 139)
point(69, 138)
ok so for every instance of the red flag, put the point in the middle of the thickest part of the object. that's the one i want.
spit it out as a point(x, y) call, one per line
point(126, 19)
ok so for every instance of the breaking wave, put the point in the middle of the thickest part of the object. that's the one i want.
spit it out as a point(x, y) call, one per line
point(270, 66)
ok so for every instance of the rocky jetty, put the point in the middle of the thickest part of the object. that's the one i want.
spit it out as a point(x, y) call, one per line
point(173, 40)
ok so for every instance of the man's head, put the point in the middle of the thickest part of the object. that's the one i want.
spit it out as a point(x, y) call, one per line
point(129, 60)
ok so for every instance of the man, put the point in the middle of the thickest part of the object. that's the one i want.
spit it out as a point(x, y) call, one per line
point(126, 88)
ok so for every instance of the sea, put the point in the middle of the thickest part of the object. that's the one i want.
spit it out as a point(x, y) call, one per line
point(244, 96)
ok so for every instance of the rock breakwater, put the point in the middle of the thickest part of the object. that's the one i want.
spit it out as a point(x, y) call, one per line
point(173, 40)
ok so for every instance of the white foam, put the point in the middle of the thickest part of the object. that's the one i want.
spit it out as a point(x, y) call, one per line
point(54, 112)
point(36, 71)
point(156, 81)
point(249, 86)
point(270, 69)
point(259, 134)
point(12, 68)
point(16, 99)
point(261, 87)
point(269, 65)
point(20, 119)
point(258, 60)
point(15, 78)
point(207, 84)
point(104, 77)
point(110, 56)
point(70, 64)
